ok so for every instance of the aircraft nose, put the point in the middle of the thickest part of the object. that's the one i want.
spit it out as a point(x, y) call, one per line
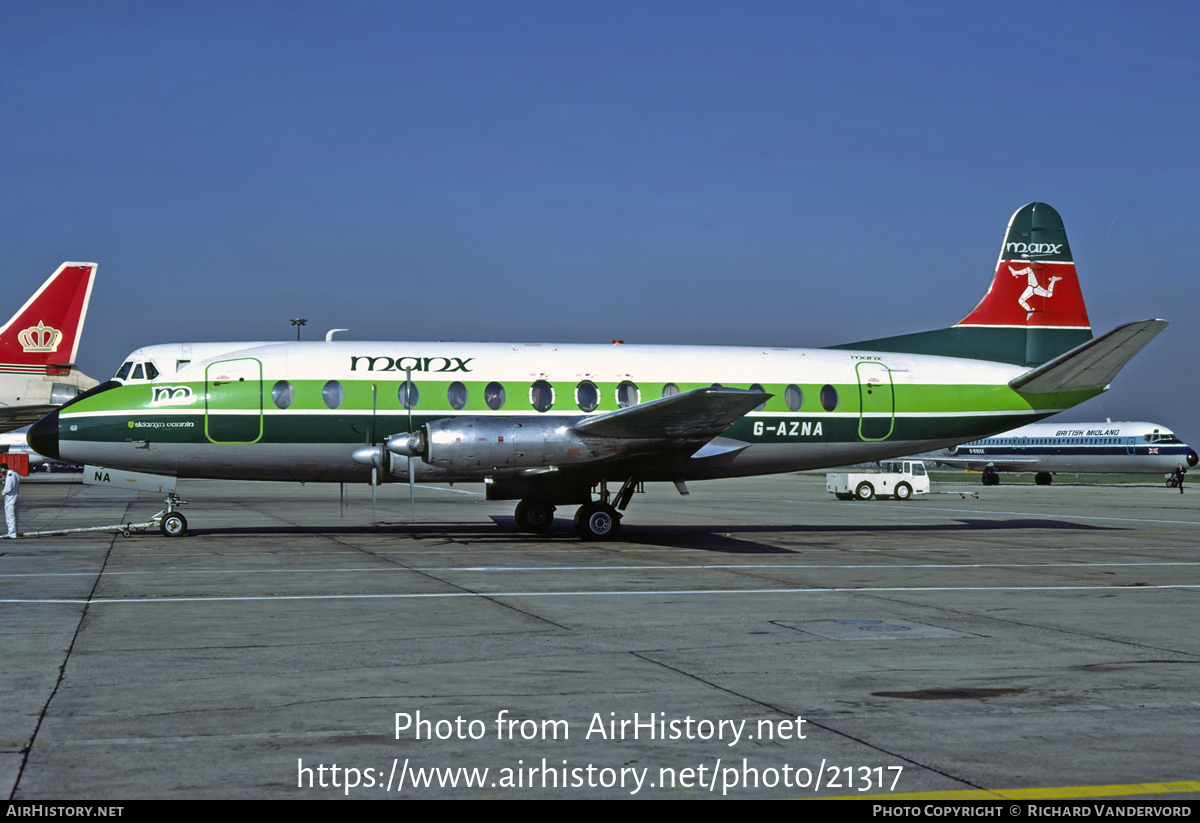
point(43, 436)
point(1192, 458)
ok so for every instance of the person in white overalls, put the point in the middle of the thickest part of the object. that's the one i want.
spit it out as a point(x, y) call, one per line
point(12, 491)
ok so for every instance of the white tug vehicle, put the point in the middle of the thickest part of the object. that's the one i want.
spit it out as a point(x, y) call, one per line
point(900, 479)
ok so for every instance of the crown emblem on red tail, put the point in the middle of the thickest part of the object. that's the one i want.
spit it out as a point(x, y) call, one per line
point(40, 338)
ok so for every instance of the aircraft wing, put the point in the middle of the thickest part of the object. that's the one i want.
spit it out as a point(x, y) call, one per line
point(1091, 365)
point(14, 417)
point(696, 415)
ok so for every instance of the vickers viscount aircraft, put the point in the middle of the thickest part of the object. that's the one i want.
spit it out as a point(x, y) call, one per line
point(1047, 448)
point(38, 346)
point(548, 425)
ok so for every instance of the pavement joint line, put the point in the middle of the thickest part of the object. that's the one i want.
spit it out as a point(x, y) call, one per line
point(397, 564)
point(711, 567)
point(645, 593)
point(62, 671)
point(823, 724)
point(1058, 515)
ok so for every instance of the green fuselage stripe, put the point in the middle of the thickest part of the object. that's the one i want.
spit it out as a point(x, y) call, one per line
point(921, 412)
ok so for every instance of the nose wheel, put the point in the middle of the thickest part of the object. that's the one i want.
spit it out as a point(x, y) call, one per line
point(170, 522)
point(173, 525)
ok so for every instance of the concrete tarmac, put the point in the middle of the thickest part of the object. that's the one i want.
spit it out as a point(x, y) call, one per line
point(755, 639)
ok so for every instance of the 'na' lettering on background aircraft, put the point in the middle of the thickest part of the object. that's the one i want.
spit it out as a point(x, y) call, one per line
point(549, 424)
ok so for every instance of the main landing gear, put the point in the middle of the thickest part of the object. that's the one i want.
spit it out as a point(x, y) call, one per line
point(990, 477)
point(535, 516)
point(595, 520)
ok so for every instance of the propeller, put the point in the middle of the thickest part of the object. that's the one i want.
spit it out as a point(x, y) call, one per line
point(410, 446)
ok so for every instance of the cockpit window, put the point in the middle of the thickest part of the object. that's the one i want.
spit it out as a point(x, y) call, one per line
point(123, 372)
point(151, 372)
point(138, 372)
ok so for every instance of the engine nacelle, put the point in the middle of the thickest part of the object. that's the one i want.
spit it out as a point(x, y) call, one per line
point(486, 443)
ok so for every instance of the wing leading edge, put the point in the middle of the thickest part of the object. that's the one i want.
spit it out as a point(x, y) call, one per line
point(696, 415)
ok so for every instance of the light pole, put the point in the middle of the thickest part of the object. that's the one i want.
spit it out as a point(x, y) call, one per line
point(298, 322)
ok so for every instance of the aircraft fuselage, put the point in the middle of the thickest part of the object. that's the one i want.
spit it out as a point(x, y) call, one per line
point(297, 411)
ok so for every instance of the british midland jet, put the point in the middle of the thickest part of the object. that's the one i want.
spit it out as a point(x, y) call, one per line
point(1049, 448)
point(553, 425)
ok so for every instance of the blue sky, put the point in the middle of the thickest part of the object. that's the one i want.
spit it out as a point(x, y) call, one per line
point(746, 173)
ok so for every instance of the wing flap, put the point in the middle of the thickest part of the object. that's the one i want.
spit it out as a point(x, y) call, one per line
point(1091, 365)
point(699, 414)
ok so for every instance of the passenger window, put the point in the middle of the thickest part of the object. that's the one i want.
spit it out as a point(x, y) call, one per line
point(670, 390)
point(628, 395)
point(408, 395)
point(541, 395)
point(494, 396)
point(829, 398)
point(333, 394)
point(793, 397)
point(282, 394)
point(456, 395)
point(587, 396)
point(763, 404)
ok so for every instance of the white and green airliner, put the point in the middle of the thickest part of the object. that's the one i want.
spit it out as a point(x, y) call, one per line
point(554, 425)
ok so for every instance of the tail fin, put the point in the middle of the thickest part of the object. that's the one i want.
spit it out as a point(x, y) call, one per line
point(1033, 310)
point(43, 336)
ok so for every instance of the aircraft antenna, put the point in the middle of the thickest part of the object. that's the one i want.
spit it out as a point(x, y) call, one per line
point(378, 459)
point(412, 489)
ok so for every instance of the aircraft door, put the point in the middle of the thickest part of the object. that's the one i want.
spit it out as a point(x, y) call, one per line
point(233, 406)
point(877, 401)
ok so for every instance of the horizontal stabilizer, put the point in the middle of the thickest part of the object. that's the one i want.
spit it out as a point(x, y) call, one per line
point(696, 414)
point(1092, 365)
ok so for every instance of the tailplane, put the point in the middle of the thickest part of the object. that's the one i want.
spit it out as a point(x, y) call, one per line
point(43, 336)
point(1033, 310)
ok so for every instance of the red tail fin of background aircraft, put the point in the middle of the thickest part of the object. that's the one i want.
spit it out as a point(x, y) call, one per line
point(43, 336)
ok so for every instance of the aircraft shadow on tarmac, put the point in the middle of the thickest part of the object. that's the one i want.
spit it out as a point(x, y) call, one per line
point(736, 539)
